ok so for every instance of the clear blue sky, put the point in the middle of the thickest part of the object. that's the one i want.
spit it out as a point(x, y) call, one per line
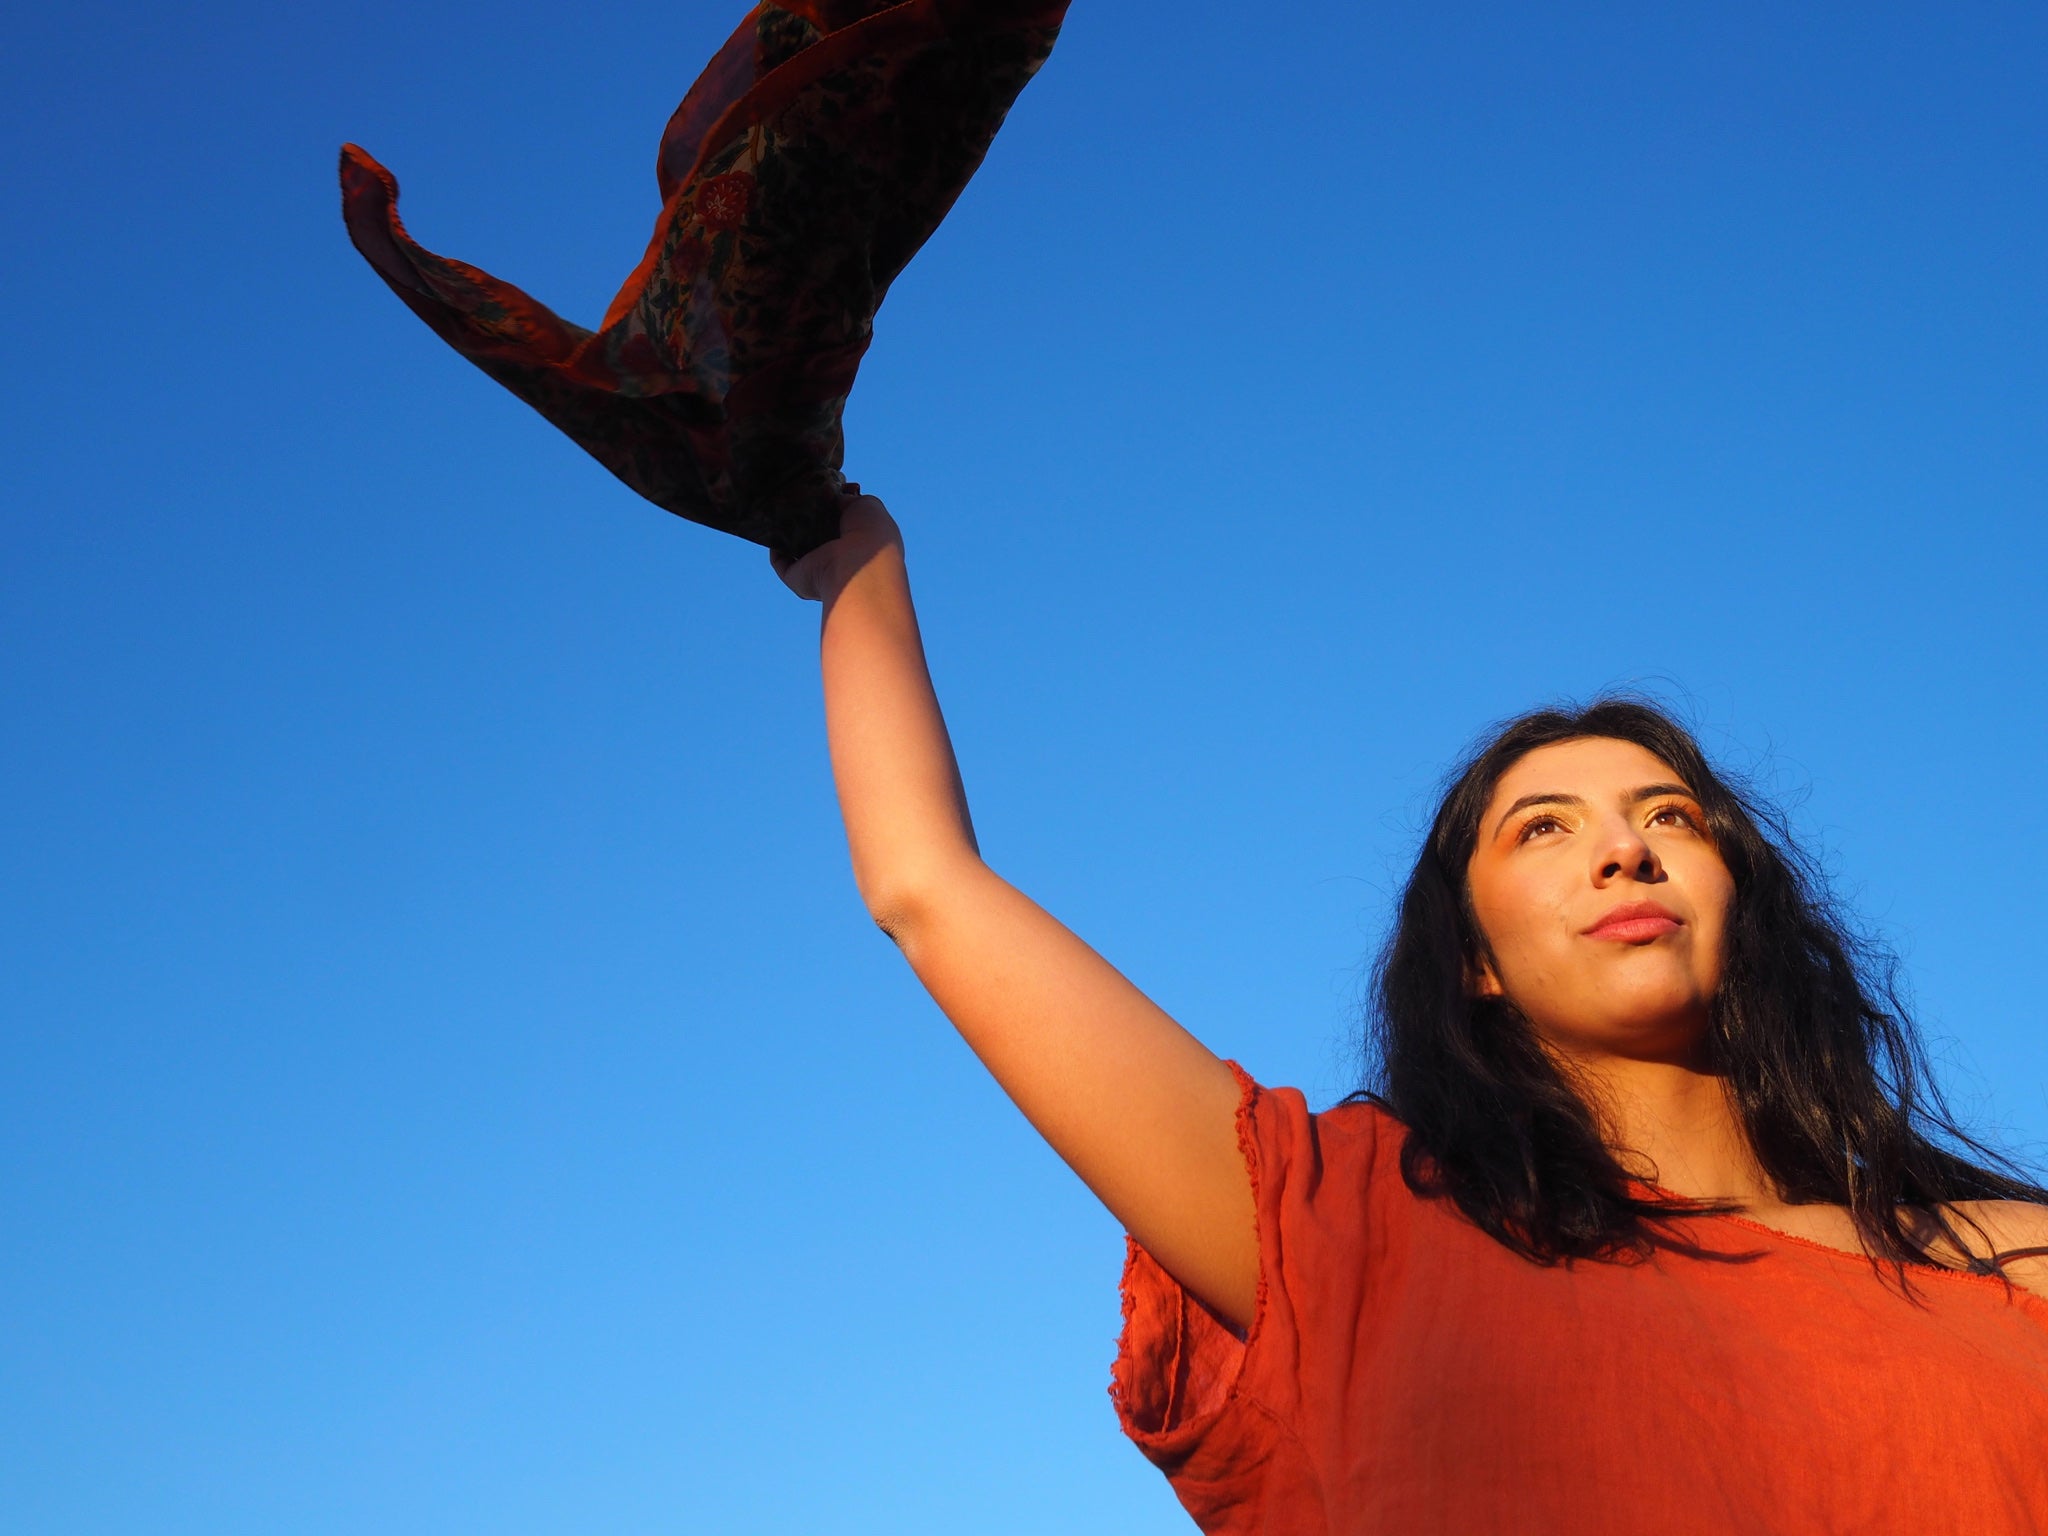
point(447, 1081)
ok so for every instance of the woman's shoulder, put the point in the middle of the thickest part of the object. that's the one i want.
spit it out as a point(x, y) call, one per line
point(1361, 1118)
point(1362, 1141)
point(1999, 1229)
point(2018, 1227)
point(1355, 1137)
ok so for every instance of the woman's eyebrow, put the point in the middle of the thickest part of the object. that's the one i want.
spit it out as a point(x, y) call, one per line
point(1545, 797)
point(1652, 791)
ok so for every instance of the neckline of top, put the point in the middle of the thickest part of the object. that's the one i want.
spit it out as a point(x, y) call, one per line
point(1928, 1267)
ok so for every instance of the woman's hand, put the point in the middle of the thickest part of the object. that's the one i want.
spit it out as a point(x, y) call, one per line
point(865, 530)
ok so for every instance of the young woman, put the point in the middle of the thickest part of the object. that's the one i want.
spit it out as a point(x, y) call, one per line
point(1650, 1225)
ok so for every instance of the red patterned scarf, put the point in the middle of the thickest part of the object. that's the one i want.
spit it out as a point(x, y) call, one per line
point(813, 157)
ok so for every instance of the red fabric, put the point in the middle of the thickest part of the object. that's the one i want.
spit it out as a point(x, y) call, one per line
point(1406, 1374)
point(815, 154)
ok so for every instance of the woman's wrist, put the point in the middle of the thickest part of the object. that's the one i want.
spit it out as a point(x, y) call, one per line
point(866, 532)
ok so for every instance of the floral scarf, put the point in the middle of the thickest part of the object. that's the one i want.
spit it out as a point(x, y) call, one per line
point(813, 157)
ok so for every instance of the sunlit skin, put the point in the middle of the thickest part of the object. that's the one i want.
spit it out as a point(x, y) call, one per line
point(1577, 833)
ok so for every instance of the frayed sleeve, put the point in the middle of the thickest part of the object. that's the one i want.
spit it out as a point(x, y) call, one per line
point(1212, 1409)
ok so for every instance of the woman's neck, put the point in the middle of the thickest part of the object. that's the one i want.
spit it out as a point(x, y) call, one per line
point(1675, 1125)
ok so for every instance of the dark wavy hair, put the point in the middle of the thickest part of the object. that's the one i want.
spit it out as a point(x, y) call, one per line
point(1808, 1029)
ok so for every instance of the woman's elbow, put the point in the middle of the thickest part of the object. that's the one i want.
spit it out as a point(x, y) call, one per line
point(907, 903)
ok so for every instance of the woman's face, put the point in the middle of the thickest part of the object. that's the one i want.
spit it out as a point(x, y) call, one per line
point(1602, 901)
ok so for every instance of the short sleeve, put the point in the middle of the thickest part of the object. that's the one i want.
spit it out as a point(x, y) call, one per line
point(1218, 1413)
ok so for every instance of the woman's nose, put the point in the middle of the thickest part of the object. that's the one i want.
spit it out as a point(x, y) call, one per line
point(1624, 854)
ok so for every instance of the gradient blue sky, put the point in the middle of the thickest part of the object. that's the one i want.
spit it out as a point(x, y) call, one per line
point(447, 1081)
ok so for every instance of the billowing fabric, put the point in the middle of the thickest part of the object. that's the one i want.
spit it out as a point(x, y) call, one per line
point(814, 156)
point(1408, 1376)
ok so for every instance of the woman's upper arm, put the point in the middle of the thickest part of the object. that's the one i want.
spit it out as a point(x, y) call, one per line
point(1138, 1107)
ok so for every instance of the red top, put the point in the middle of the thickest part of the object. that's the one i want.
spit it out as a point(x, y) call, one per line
point(1407, 1374)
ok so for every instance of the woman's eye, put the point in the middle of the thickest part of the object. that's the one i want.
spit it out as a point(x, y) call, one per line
point(1673, 816)
point(1540, 824)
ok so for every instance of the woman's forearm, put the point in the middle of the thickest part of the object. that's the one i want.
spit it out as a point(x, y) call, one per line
point(899, 785)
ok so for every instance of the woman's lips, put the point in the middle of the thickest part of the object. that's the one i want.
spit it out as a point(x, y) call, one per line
point(1637, 922)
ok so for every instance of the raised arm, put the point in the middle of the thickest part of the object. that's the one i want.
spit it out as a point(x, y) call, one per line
point(1138, 1107)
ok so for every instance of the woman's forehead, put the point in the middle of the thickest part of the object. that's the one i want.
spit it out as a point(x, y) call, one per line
point(1587, 767)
